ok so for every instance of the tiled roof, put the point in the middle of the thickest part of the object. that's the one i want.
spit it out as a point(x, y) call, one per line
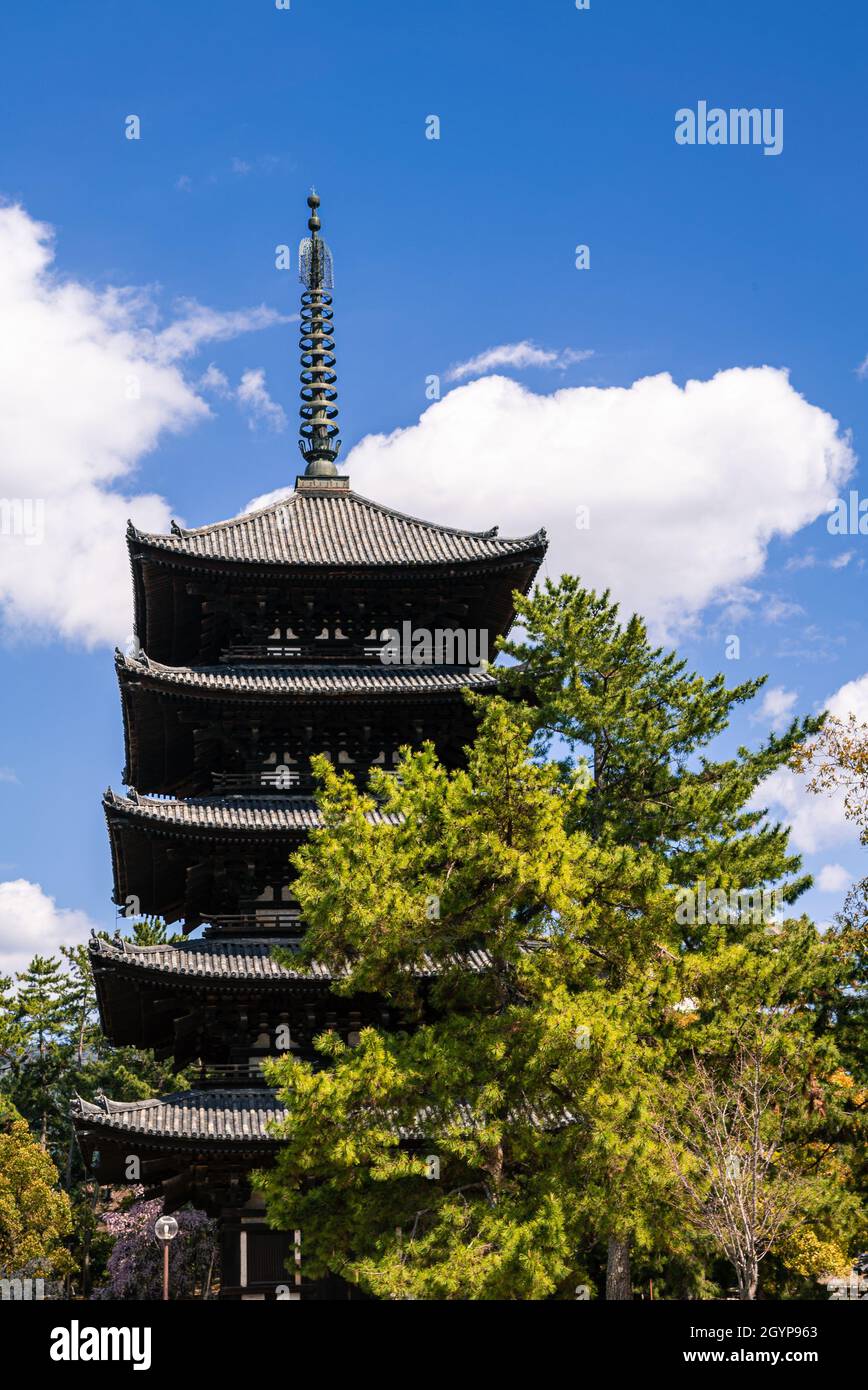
point(243, 1115)
point(280, 814)
point(373, 679)
point(336, 527)
point(249, 959)
point(233, 1116)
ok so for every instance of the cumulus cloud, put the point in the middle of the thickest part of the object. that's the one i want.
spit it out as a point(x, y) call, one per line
point(852, 698)
point(833, 878)
point(817, 820)
point(31, 923)
point(777, 707)
point(668, 494)
point(517, 355)
point(89, 384)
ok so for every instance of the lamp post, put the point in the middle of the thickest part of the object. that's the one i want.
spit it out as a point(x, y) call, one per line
point(165, 1229)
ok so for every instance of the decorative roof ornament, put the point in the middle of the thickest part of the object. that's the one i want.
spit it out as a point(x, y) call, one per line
point(318, 436)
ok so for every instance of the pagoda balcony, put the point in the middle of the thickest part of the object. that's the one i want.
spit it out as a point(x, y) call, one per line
point(260, 651)
point(223, 1075)
point(252, 729)
point(273, 779)
point(282, 921)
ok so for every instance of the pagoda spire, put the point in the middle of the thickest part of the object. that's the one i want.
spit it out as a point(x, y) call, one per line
point(319, 412)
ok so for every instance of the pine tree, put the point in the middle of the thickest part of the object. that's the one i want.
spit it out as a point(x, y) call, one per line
point(152, 931)
point(456, 1158)
point(526, 915)
point(639, 722)
point(42, 1013)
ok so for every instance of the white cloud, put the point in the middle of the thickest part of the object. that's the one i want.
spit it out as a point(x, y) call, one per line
point(852, 698)
point(779, 609)
point(31, 923)
point(817, 819)
point(212, 379)
point(8, 774)
point(808, 561)
point(197, 324)
point(89, 384)
point(777, 707)
point(685, 486)
point(833, 878)
point(517, 355)
point(265, 499)
point(252, 395)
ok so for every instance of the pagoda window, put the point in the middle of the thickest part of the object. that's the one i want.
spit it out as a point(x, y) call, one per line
point(386, 757)
point(282, 641)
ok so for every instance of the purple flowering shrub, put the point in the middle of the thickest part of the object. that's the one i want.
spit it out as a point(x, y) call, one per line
point(135, 1265)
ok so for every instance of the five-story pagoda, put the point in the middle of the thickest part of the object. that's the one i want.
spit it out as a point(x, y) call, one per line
point(260, 641)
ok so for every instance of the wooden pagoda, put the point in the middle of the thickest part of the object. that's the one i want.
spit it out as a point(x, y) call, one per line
point(260, 641)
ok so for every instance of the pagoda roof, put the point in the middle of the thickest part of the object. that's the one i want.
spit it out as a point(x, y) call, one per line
point(244, 961)
point(168, 853)
point(279, 815)
point(234, 1116)
point(325, 523)
point(182, 974)
point(244, 1116)
point(372, 681)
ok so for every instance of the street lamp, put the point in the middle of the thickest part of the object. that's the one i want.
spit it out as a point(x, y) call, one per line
point(165, 1229)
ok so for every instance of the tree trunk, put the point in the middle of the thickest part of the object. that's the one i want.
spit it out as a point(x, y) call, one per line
point(70, 1153)
point(748, 1278)
point(618, 1281)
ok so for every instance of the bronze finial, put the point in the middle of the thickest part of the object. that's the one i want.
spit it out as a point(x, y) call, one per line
point(319, 412)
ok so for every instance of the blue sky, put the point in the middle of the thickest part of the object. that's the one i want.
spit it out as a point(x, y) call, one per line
point(556, 130)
